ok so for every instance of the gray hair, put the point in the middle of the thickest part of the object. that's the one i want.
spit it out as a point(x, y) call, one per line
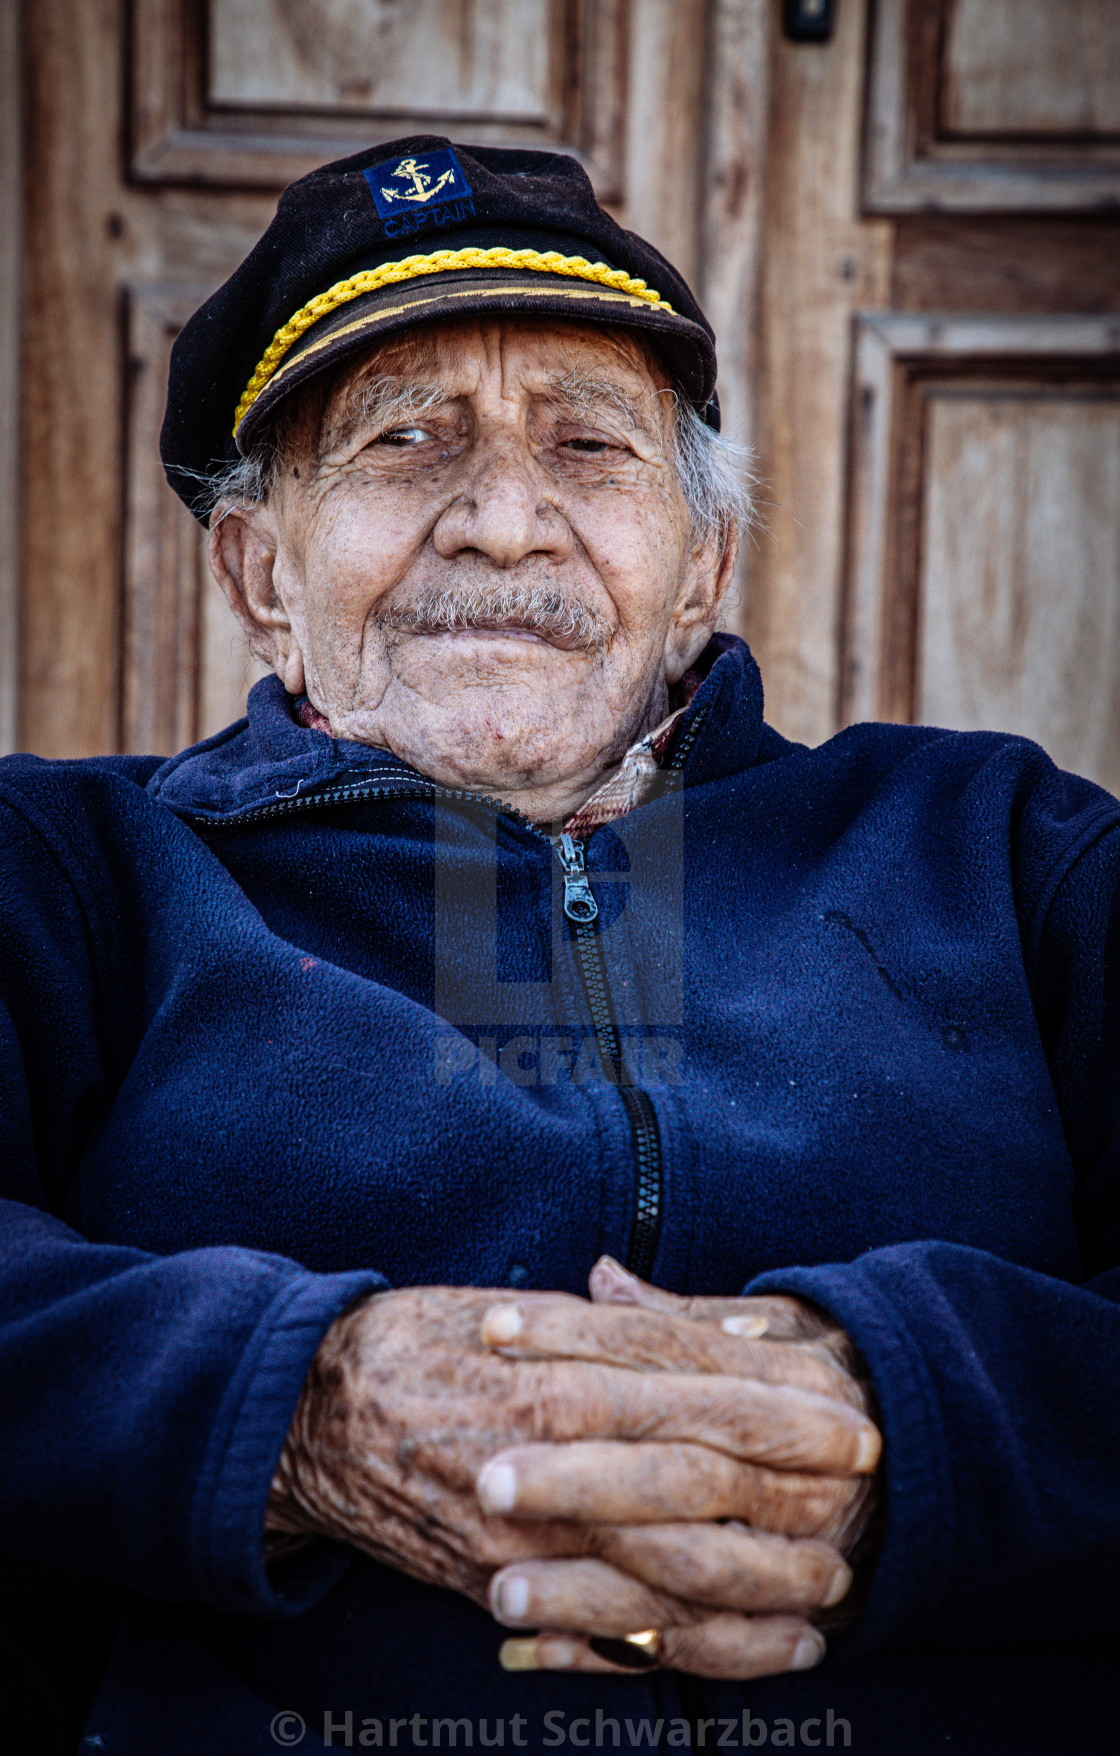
point(716, 478)
point(714, 472)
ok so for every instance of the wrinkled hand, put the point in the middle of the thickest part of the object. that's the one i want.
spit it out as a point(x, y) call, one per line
point(401, 1408)
point(406, 1413)
point(812, 1339)
point(779, 1343)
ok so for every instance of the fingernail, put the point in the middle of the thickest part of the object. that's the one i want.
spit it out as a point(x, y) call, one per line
point(501, 1324)
point(512, 1596)
point(870, 1448)
point(752, 1326)
point(840, 1587)
point(497, 1487)
point(615, 1267)
point(518, 1655)
point(527, 1655)
point(809, 1652)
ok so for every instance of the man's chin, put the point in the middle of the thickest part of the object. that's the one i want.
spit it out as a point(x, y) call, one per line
point(498, 740)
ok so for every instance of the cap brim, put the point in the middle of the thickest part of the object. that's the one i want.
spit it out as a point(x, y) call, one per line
point(365, 320)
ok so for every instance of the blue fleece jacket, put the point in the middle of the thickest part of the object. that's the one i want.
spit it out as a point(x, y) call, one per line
point(281, 1024)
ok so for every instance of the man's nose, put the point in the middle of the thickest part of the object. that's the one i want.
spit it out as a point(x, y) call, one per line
point(504, 514)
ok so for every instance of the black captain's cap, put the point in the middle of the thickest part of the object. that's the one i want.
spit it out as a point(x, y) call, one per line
point(400, 234)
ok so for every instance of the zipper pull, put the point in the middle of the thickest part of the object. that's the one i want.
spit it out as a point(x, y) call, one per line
point(579, 904)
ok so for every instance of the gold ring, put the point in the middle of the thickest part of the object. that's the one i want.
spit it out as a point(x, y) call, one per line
point(648, 1640)
point(636, 1652)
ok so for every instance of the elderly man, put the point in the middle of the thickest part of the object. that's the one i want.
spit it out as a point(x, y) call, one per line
point(501, 957)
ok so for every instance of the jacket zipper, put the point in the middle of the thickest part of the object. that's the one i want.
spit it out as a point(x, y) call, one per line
point(582, 910)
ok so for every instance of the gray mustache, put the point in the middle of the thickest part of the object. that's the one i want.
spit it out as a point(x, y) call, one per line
point(540, 609)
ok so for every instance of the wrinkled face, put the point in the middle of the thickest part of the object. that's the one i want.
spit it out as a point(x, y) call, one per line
point(482, 561)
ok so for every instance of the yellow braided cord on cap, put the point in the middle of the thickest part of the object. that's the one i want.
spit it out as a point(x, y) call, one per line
point(370, 280)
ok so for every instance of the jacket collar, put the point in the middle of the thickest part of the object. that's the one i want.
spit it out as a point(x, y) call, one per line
point(269, 756)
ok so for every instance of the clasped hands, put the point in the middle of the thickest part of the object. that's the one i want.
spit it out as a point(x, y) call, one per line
point(586, 1470)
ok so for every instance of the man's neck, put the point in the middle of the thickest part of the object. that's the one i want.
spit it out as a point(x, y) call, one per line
point(549, 805)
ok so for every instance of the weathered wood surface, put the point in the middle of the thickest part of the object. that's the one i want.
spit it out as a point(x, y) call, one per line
point(1019, 588)
point(71, 410)
point(1029, 265)
point(987, 106)
point(461, 59)
point(1047, 68)
point(11, 288)
point(820, 263)
point(255, 93)
point(89, 236)
point(984, 544)
point(185, 666)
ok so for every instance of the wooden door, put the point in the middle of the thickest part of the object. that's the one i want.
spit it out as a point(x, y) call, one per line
point(155, 143)
point(907, 236)
point(939, 374)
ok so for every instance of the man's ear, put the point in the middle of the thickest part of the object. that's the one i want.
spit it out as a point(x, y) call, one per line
point(706, 582)
point(242, 555)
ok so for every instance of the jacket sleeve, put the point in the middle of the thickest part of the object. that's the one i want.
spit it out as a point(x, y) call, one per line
point(146, 1398)
point(997, 1386)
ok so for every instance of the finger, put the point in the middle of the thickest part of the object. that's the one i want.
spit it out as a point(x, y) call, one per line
point(657, 1575)
point(568, 1401)
point(731, 1647)
point(772, 1424)
point(606, 1483)
point(611, 1284)
point(728, 1567)
point(556, 1652)
point(556, 1326)
point(587, 1597)
point(741, 1647)
point(774, 1315)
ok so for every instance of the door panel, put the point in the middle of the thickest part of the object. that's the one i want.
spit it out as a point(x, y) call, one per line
point(989, 105)
point(937, 390)
point(1019, 582)
point(487, 61)
point(984, 547)
point(1041, 69)
point(259, 92)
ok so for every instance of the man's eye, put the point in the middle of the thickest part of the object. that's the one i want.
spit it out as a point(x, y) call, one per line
point(404, 436)
point(587, 445)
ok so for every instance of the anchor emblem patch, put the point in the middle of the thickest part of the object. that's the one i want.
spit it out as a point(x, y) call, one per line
point(423, 189)
point(421, 183)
